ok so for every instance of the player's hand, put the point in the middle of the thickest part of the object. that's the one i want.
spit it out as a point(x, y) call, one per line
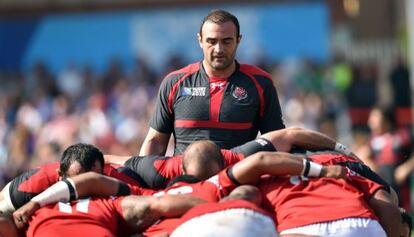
point(22, 215)
point(333, 171)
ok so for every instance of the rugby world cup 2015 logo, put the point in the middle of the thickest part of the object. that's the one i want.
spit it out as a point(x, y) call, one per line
point(193, 91)
point(239, 93)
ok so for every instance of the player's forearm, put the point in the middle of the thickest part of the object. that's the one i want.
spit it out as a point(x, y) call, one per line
point(140, 212)
point(174, 205)
point(83, 185)
point(252, 168)
point(155, 143)
point(309, 139)
point(94, 184)
point(152, 148)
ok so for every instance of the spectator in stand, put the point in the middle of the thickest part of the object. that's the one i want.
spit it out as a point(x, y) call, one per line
point(389, 148)
point(401, 90)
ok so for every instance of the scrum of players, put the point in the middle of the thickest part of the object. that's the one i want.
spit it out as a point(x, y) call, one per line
point(288, 182)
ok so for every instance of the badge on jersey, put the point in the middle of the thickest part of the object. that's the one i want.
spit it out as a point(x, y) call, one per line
point(193, 91)
point(239, 93)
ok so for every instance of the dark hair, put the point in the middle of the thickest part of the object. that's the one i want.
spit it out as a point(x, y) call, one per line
point(221, 16)
point(85, 154)
point(388, 115)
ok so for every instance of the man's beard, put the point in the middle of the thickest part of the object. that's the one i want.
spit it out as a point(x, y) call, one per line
point(224, 63)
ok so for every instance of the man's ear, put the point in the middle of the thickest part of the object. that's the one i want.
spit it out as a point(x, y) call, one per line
point(60, 174)
point(200, 40)
point(239, 39)
point(182, 168)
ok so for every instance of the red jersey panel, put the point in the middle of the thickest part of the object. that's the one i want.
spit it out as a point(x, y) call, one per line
point(301, 201)
point(210, 190)
point(91, 217)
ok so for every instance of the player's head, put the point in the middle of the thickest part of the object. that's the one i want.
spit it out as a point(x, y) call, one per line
point(381, 119)
point(406, 223)
point(80, 158)
point(219, 17)
point(219, 38)
point(245, 192)
point(202, 159)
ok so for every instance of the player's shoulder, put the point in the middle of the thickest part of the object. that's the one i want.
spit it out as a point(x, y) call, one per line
point(46, 171)
point(189, 69)
point(254, 71)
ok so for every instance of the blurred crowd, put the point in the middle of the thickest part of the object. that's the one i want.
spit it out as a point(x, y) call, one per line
point(41, 113)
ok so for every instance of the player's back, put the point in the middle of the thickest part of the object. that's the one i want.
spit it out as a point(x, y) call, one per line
point(296, 198)
point(91, 217)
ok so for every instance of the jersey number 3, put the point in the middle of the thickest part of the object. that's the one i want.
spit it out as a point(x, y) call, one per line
point(81, 206)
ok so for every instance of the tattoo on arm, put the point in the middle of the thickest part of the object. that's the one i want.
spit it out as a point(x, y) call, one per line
point(137, 212)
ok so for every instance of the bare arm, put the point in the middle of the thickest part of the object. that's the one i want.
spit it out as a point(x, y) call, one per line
point(403, 170)
point(285, 139)
point(142, 211)
point(387, 212)
point(155, 143)
point(94, 184)
point(249, 170)
point(86, 184)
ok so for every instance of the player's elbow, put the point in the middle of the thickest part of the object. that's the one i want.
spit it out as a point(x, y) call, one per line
point(288, 138)
point(292, 133)
point(155, 143)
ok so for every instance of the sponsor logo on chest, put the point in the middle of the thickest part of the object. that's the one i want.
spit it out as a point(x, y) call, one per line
point(193, 91)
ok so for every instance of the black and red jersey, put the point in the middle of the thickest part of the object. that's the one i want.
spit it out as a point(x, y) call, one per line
point(228, 111)
point(27, 185)
point(156, 171)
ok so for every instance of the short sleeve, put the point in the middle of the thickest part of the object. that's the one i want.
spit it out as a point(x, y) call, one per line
point(272, 114)
point(162, 118)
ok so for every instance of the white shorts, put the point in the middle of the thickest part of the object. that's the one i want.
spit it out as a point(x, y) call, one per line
point(6, 206)
point(348, 227)
point(240, 222)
